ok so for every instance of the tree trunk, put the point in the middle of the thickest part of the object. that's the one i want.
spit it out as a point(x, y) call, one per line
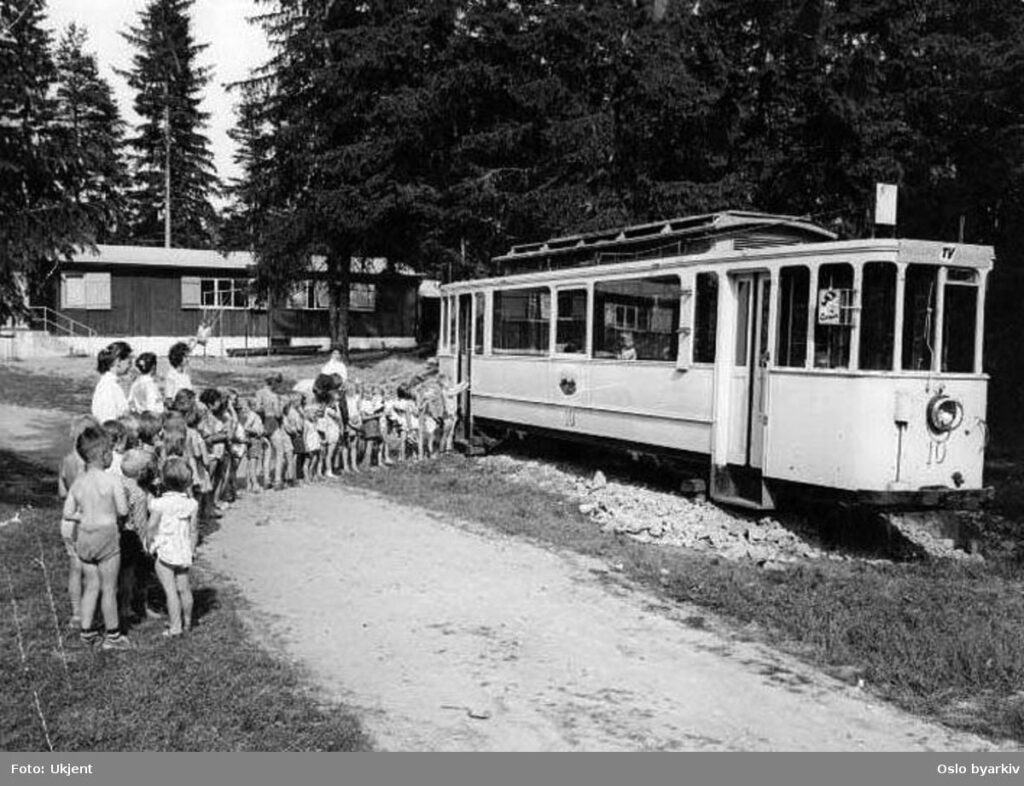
point(339, 272)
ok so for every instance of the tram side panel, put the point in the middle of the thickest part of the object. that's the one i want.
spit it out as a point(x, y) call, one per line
point(863, 433)
point(630, 402)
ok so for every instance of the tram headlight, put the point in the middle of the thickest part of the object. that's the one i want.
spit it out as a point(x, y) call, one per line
point(945, 414)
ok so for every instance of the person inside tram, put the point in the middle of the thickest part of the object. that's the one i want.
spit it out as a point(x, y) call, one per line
point(628, 349)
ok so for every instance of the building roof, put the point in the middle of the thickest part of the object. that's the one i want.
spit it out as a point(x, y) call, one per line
point(156, 256)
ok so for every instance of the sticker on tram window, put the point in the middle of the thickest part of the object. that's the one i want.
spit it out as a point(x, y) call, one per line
point(830, 307)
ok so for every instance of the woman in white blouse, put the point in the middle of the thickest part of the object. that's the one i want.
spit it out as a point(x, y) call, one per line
point(145, 395)
point(177, 375)
point(108, 399)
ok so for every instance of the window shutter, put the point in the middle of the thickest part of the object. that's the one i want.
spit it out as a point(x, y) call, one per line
point(97, 291)
point(190, 292)
point(72, 291)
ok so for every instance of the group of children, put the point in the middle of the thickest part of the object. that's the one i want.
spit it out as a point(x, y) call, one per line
point(135, 488)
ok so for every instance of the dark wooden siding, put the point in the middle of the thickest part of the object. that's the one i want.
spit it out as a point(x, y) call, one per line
point(147, 302)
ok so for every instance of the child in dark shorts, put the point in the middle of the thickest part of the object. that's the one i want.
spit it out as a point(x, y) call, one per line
point(136, 467)
point(95, 503)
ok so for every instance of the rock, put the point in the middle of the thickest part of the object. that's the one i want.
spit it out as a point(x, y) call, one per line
point(599, 481)
point(587, 508)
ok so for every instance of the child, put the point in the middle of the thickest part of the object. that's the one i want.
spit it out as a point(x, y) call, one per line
point(198, 457)
point(313, 444)
point(372, 408)
point(71, 467)
point(395, 420)
point(118, 443)
point(214, 429)
point(431, 412)
point(95, 502)
point(173, 536)
point(413, 435)
point(136, 468)
point(252, 426)
point(354, 419)
point(450, 400)
point(330, 429)
point(295, 445)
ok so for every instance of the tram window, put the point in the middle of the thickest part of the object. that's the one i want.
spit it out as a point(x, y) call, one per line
point(571, 330)
point(522, 320)
point(878, 316)
point(742, 321)
point(795, 292)
point(452, 323)
point(918, 322)
point(637, 318)
point(705, 320)
point(960, 321)
point(833, 325)
point(479, 306)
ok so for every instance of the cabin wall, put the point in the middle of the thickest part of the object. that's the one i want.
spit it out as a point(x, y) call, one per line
point(147, 302)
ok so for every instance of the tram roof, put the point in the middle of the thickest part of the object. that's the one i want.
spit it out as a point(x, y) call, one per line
point(671, 237)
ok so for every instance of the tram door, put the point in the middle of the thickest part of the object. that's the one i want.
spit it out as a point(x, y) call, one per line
point(464, 360)
point(747, 400)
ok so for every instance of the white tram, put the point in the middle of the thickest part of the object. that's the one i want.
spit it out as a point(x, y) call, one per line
point(783, 359)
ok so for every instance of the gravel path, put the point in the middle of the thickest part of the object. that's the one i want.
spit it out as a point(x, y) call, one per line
point(451, 637)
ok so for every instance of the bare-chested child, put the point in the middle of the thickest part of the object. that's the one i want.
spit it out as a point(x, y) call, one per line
point(95, 502)
point(71, 466)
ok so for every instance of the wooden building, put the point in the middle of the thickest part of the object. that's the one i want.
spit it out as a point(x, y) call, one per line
point(155, 296)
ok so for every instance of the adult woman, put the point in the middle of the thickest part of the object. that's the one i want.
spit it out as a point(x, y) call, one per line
point(177, 376)
point(108, 399)
point(335, 366)
point(145, 395)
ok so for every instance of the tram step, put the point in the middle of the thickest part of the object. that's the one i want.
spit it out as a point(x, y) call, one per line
point(740, 502)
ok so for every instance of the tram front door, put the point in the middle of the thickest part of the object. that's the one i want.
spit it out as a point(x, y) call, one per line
point(749, 378)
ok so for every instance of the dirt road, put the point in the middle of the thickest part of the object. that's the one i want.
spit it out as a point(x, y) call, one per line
point(451, 637)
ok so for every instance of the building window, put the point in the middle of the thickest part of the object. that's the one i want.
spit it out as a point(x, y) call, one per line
point(794, 297)
point(959, 321)
point(522, 319)
point(878, 316)
point(362, 297)
point(705, 319)
point(223, 293)
point(637, 319)
point(86, 290)
point(834, 323)
point(918, 317)
point(571, 326)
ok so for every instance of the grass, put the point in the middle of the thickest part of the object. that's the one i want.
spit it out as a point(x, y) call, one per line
point(940, 639)
point(215, 690)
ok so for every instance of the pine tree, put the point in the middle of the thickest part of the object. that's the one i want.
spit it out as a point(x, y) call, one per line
point(170, 148)
point(89, 118)
point(40, 169)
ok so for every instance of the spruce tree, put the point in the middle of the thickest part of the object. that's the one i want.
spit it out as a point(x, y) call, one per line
point(170, 144)
point(90, 120)
point(41, 224)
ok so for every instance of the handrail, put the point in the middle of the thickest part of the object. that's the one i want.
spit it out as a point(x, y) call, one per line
point(69, 329)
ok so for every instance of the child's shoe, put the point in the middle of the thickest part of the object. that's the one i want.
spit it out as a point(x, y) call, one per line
point(116, 641)
point(89, 638)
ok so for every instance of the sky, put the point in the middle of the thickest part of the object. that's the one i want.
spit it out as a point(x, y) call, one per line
point(235, 47)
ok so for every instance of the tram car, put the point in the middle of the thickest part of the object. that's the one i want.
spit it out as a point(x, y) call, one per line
point(781, 359)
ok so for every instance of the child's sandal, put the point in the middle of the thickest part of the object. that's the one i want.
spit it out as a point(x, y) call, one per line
point(172, 634)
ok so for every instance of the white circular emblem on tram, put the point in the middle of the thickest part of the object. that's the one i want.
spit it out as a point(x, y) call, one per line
point(945, 414)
